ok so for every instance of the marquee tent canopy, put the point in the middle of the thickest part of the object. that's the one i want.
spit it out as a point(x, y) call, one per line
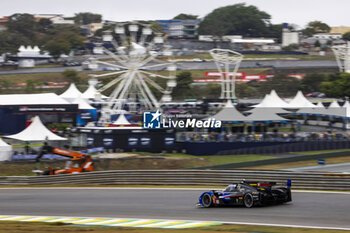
point(32, 99)
point(71, 93)
point(92, 93)
point(5, 151)
point(229, 114)
point(82, 104)
point(334, 104)
point(265, 114)
point(299, 101)
point(121, 120)
point(36, 131)
point(272, 100)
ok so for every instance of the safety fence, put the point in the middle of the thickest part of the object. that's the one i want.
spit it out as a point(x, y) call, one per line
point(300, 180)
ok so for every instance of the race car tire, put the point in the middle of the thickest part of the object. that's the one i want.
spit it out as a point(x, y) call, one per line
point(207, 201)
point(248, 200)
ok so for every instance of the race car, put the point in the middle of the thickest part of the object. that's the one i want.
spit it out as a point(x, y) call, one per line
point(247, 194)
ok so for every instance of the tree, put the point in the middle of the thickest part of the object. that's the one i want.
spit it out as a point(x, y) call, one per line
point(183, 16)
point(286, 86)
point(237, 19)
point(183, 87)
point(71, 75)
point(63, 42)
point(87, 18)
point(317, 44)
point(44, 25)
point(338, 85)
point(291, 47)
point(275, 31)
point(315, 27)
point(57, 47)
point(346, 36)
point(244, 90)
point(23, 24)
point(10, 42)
point(312, 82)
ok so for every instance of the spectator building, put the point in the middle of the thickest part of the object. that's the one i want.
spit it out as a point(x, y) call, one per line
point(174, 28)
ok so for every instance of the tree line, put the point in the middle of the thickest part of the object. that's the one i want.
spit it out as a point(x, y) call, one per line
point(335, 85)
point(24, 29)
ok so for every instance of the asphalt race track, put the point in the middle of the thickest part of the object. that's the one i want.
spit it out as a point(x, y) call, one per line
point(307, 208)
point(200, 66)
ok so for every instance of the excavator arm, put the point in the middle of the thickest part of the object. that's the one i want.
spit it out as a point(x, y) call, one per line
point(86, 162)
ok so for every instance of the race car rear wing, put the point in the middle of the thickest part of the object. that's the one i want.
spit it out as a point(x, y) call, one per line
point(265, 184)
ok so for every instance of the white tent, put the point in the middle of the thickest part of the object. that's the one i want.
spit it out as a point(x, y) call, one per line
point(82, 104)
point(346, 106)
point(32, 99)
point(71, 93)
point(264, 102)
point(299, 101)
point(5, 151)
point(92, 93)
point(229, 113)
point(265, 114)
point(272, 100)
point(319, 105)
point(276, 101)
point(319, 108)
point(121, 120)
point(334, 104)
point(36, 131)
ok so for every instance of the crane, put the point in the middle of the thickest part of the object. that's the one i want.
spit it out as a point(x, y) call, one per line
point(77, 163)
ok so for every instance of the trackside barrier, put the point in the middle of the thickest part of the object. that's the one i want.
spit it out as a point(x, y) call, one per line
point(301, 180)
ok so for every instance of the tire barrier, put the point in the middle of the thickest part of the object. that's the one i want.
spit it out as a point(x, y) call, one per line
point(300, 180)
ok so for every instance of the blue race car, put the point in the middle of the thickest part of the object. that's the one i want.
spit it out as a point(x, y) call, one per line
point(247, 194)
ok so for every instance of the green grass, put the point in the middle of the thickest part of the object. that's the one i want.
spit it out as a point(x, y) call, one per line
point(30, 145)
point(227, 159)
point(320, 152)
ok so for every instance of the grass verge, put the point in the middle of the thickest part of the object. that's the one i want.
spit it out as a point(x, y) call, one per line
point(21, 227)
point(306, 163)
point(144, 161)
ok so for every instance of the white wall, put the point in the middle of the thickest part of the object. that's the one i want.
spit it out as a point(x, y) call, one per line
point(289, 38)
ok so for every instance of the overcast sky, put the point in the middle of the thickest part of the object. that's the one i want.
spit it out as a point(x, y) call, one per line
point(300, 12)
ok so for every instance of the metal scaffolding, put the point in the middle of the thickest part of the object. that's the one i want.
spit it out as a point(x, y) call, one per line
point(227, 62)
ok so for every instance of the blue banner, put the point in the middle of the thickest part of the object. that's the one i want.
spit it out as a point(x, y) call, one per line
point(85, 116)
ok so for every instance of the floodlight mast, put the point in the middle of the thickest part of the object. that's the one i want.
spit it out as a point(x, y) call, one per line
point(224, 59)
point(135, 76)
point(342, 55)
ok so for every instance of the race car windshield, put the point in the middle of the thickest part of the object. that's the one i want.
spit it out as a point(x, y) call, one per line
point(230, 188)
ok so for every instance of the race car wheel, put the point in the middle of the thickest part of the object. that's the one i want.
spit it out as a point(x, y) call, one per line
point(207, 201)
point(248, 200)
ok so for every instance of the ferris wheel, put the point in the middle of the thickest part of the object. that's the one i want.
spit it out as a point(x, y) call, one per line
point(134, 63)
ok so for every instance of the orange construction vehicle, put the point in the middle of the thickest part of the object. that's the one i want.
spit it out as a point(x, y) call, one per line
point(77, 163)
